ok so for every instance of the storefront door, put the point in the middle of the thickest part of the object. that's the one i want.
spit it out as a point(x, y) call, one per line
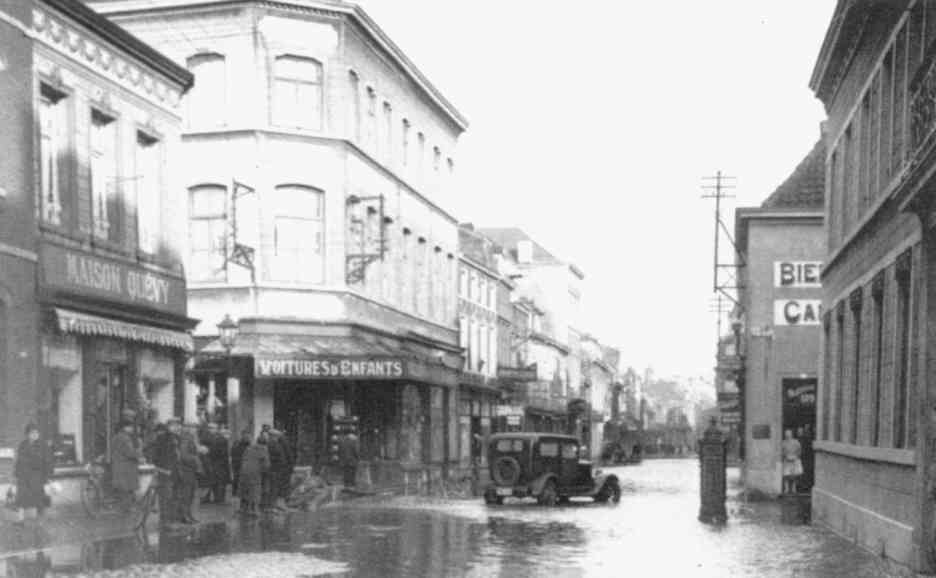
point(799, 416)
point(110, 400)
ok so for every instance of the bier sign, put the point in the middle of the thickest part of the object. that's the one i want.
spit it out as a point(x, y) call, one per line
point(797, 274)
point(330, 368)
point(797, 312)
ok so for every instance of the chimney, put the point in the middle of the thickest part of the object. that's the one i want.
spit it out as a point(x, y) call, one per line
point(525, 251)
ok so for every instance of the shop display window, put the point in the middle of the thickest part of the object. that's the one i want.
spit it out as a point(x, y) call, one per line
point(61, 361)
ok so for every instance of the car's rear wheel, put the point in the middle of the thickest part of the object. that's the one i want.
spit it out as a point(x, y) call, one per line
point(548, 495)
point(611, 490)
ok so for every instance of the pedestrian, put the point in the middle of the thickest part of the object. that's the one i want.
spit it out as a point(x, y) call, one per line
point(792, 466)
point(277, 462)
point(204, 433)
point(219, 467)
point(237, 456)
point(31, 471)
point(190, 468)
point(348, 455)
point(125, 461)
point(165, 454)
point(255, 464)
point(280, 468)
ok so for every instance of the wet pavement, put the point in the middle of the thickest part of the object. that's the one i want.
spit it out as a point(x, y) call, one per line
point(653, 531)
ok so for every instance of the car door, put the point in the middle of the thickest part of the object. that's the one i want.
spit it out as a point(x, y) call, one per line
point(546, 457)
point(568, 467)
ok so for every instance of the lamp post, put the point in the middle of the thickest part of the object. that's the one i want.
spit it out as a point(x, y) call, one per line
point(227, 335)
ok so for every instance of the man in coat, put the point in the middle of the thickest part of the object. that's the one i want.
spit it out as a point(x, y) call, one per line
point(237, 456)
point(125, 461)
point(219, 469)
point(254, 466)
point(277, 469)
point(348, 455)
point(165, 455)
point(190, 467)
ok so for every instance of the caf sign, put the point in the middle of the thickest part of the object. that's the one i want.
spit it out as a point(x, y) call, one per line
point(797, 311)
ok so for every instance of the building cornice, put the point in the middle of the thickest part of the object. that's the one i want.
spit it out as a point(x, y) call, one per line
point(328, 8)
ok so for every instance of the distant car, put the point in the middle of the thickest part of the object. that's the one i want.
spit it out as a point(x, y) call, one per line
point(544, 466)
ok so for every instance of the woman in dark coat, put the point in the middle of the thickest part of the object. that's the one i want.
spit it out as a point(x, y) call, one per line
point(126, 456)
point(32, 470)
point(254, 466)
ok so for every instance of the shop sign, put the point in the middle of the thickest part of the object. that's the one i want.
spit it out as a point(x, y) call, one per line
point(801, 393)
point(102, 277)
point(509, 410)
point(513, 419)
point(331, 368)
point(797, 311)
point(517, 373)
point(797, 274)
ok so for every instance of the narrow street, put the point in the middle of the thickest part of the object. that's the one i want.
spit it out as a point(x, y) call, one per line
point(653, 530)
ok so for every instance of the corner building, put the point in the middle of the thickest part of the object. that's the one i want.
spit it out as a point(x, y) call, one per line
point(93, 316)
point(316, 154)
point(874, 461)
point(781, 245)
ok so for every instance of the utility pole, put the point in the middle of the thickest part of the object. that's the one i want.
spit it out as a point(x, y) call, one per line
point(724, 271)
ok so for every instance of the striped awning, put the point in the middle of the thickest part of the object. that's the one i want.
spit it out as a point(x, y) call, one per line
point(85, 324)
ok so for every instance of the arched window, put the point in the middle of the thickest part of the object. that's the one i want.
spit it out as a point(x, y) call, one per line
point(297, 92)
point(355, 89)
point(207, 100)
point(207, 231)
point(298, 234)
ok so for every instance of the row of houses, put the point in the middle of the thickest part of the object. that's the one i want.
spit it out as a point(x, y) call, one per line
point(846, 358)
point(234, 212)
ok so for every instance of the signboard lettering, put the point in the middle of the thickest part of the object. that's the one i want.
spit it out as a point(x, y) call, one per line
point(797, 274)
point(331, 368)
point(83, 273)
point(797, 311)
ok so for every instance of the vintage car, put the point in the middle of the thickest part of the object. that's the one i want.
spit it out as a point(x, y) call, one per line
point(544, 466)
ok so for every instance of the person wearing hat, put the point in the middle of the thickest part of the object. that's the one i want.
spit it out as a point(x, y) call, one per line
point(190, 467)
point(165, 456)
point(126, 456)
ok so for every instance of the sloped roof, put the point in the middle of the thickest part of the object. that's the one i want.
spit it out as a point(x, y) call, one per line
point(805, 187)
point(509, 237)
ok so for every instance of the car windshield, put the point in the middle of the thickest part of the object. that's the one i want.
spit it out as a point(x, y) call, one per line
point(509, 446)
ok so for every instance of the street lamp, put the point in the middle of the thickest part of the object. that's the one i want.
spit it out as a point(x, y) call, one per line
point(227, 332)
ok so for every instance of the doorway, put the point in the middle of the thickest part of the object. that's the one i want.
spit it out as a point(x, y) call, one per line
point(111, 399)
point(799, 416)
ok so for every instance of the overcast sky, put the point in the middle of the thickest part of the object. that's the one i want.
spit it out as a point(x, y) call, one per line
point(592, 124)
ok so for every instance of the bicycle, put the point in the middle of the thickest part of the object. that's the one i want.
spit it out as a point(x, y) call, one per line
point(98, 496)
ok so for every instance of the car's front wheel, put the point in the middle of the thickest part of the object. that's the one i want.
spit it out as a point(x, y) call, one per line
point(548, 495)
point(611, 490)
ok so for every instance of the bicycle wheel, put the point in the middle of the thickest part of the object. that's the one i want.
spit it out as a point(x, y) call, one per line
point(92, 498)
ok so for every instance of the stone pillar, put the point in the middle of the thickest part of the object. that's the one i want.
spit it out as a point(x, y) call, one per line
point(235, 423)
point(210, 399)
point(712, 487)
point(190, 401)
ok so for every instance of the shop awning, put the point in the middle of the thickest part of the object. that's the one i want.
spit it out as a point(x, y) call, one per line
point(86, 324)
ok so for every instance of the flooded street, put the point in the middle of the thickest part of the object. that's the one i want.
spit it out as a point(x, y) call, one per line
point(653, 530)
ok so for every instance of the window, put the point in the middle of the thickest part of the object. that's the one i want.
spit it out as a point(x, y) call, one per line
point(902, 359)
point(855, 302)
point(355, 121)
point(840, 374)
point(388, 132)
point(549, 449)
point(492, 294)
point(436, 158)
point(463, 338)
point(297, 92)
point(53, 144)
point(207, 231)
point(103, 166)
point(406, 136)
point(569, 451)
point(421, 143)
point(297, 234)
point(148, 192)
point(371, 117)
point(482, 289)
point(827, 361)
point(877, 301)
point(207, 99)
point(483, 349)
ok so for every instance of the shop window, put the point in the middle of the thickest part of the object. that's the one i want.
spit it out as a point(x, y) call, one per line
point(207, 232)
point(103, 165)
point(297, 92)
point(62, 366)
point(298, 229)
point(53, 146)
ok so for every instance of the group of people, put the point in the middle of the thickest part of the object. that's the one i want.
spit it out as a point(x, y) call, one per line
point(186, 457)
